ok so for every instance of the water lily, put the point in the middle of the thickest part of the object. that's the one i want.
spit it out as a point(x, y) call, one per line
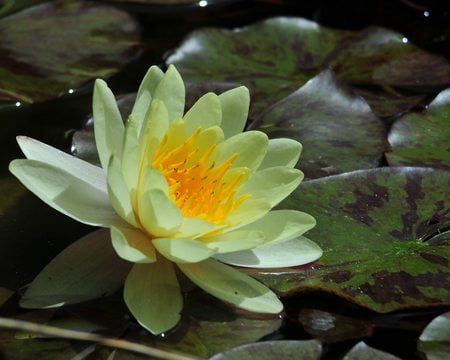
point(177, 190)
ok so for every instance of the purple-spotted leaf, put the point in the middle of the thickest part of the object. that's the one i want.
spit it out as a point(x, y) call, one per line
point(363, 352)
point(423, 139)
point(280, 350)
point(435, 338)
point(320, 115)
point(384, 234)
point(86, 41)
point(278, 55)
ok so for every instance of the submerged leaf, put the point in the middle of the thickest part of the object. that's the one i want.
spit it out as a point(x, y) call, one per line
point(86, 41)
point(362, 351)
point(384, 235)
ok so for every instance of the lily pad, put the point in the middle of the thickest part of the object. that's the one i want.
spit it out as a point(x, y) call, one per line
point(423, 139)
point(435, 339)
point(278, 55)
point(267, 350)
point(11, 6)
point(385, 237)
point(363, 352)
point(87, 41)
point(319, 115)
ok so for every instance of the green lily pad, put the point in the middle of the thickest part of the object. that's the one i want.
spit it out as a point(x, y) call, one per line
point(278, 55)
point(320, 115)
point(423, 139)
point(87, 41)
point(435, 338)
point(280, 350)
point(385, 237)
point(363, 352)
point(11, 6)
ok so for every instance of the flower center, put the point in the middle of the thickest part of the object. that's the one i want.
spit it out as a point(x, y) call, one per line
point(197, 185)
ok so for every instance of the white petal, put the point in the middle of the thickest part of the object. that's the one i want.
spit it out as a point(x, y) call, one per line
point(108, 124)
point(87, 269)
point(145, 94)
point(159, 216)
point(36, 150)
point(192, 228)
point(232, 286)
point(250, 147)
point(66, 193)
point(133, 245)
point(171, 92)
point(183, 250)
point(282, 152)
point(294, 252)
point(235, 241)
point(118, 192)
point(205, 113)
point(235, 104)
point(273, 184)
point(153, 295)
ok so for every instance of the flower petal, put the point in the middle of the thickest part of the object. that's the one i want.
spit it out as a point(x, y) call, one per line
point(237, 240)
point(183, 250)
point(282, 152)
point(232, 286)
point(206, 112)
point(159, 216)
point(133, 245)
point(294, 252)
point(109, 127)
point(235, 104)
point(153, 295)
point(118, 192)
point(273, 184)
point(282, 225)
point(191, 228)
point(87, 269)
point(250, 147)
point(36, 150)
point(66, 193)
point(250, 210)
point(145, 94)
point(171, 92)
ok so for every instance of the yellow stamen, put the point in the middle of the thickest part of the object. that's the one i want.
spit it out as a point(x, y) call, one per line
point(199, 188)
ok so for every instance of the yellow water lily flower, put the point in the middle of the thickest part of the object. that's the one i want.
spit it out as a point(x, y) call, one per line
point(187, 190)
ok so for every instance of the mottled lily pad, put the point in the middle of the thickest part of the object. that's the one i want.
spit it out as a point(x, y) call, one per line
point(435, 339)
point(423, 138)
point(278, 55)
point(280, 350)
point(363, 352)
point(385, 237)
point(338, 130)
point(86, 41)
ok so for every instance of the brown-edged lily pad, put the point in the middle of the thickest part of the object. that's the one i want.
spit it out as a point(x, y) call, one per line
point(384, 234)
point(338, 130)
point(435, 338)
point(51, 48)
point(278, 55)
point(423, 139)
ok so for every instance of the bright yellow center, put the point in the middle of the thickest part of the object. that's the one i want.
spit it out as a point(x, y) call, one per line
point(197, 185)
